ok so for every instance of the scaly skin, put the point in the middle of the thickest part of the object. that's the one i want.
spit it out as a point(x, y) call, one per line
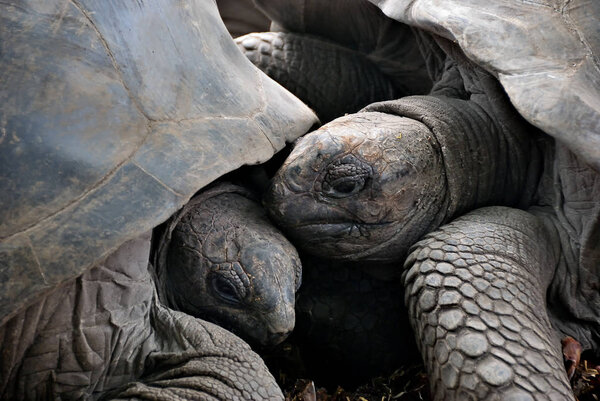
point(329, 78)
point(475, 293)
point(390, 45)
point(337, 68)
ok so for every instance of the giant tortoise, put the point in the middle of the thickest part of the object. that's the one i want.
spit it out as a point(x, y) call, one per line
point(113, 114)
point(487, 188)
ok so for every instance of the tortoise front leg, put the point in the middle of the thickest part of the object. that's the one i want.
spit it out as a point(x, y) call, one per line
point(330, 78)
point(196, 360)
point(475, 290)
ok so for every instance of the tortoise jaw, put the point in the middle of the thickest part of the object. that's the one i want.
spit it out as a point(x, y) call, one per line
point(336, 240)
point(318, 230)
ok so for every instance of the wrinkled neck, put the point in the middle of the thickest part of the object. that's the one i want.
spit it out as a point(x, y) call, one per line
point(489, 154)
point(489, 158)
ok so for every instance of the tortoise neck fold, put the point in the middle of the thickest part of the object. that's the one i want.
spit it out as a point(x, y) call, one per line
point(490, 157)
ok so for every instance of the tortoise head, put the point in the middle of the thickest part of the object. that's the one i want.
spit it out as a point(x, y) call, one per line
point(363, 187)
point(227, 264)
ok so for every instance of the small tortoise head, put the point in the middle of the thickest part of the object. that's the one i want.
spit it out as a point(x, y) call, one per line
point(363, 187)
point(227, 264)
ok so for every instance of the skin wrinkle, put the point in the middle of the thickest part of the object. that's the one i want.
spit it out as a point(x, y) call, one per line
point(212, 388)
point(197, 237)
point(209, 372)
point(339, 208)
point(559, 197)
point(448, 168)
point(382, 245)
point(238, 247)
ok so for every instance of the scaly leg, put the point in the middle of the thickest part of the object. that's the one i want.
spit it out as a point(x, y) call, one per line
point(475, 290)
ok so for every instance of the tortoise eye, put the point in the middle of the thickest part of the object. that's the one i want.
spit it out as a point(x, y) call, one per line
point(225, 289)
point(345, 177)
point(347, 186)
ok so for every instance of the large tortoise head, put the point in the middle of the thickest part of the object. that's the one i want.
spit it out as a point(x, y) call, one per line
point(364, 186)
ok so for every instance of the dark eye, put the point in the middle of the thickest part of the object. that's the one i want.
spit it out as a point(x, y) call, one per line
point(345, 177)
point(346, 186)
point(225, 289)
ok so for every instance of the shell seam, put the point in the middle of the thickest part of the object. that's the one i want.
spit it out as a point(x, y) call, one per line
point(112, 58)
point(150, 122)
point(261, 110)
point(566, 16)
point(110, 173)
point(37, 260)
point(158, 180)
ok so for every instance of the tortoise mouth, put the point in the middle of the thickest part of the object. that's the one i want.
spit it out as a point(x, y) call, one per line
point(351, 241)
point(336, 239)
point(345, 223)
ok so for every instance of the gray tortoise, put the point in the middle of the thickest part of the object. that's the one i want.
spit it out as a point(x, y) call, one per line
point(113, 115)
point(487, 187)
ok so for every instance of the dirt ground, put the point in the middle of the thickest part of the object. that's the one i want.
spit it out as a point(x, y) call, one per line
point(410, 384)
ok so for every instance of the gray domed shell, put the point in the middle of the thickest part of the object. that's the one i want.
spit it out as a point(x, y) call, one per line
point(545, 53)
point(113, 114)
